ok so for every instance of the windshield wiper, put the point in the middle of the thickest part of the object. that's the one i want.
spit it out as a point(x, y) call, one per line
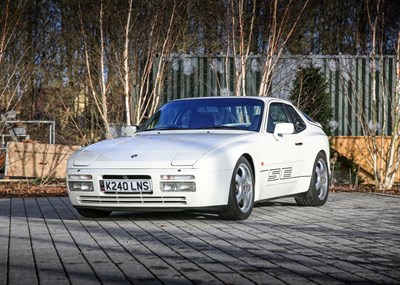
point(164, 129)
point(220, 127)
point(223, 127)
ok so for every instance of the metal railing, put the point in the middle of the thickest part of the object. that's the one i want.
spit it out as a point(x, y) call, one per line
point(10, 125)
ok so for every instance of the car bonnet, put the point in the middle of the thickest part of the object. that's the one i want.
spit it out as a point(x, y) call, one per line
point(150, 150)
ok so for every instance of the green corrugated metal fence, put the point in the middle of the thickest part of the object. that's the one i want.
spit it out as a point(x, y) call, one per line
point(349, 78)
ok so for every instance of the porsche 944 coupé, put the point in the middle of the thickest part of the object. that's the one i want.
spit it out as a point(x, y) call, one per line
point(219, 154)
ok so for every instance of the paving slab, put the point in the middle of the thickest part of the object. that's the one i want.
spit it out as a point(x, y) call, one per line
point(353, 239)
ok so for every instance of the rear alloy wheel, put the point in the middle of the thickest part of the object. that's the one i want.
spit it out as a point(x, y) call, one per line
point(93, 213)
point(317, 194)
point(241, 194)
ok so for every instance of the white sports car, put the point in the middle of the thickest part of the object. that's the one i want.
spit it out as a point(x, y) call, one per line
point(220, 154)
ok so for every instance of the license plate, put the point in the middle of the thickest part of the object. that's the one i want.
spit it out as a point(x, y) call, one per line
point(126, 186)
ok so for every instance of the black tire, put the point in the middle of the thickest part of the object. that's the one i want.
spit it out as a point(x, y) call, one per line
point(317, 194)
point(241, 193)
point(93, 213)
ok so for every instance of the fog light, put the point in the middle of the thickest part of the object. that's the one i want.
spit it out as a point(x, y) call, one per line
point(178, 186)
point(80, 186)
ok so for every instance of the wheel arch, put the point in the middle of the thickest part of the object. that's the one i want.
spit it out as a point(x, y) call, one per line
point(251, 161)
point(327, 157)
point(256, 176)
point(311, 160)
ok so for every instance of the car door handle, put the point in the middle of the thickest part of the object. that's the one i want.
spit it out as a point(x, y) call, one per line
point(298, 143)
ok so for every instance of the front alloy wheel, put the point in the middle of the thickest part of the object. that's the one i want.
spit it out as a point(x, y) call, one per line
point(241, 194)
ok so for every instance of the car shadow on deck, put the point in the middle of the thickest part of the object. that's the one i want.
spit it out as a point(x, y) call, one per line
point(189, 214)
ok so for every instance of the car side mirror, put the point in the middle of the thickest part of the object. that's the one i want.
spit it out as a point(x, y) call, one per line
point(129, 130)
point(283, 129)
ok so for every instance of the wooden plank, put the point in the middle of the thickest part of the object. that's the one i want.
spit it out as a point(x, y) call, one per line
point(355, 148)
point(37, 159)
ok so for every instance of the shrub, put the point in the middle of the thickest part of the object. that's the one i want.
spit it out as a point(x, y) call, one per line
point(310, 94)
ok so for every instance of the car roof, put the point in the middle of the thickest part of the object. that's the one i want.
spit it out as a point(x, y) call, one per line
point(263, 98)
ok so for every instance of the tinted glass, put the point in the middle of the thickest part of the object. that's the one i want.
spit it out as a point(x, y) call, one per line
point(276, 114)
point(284, 113)
point(299, 124)
point(221, 113)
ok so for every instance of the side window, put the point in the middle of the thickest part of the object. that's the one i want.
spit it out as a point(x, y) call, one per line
point(276, 114)
point(299, 124)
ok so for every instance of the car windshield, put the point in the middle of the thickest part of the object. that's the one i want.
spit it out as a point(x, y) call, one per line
point(220, 113)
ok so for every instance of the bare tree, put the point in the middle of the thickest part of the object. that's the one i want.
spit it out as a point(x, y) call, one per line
point(384, 159)
point(162, 37)
point(14, 70)
point(382, 148)
point(127, 77)
point(280, 30)
point(240, 35)
point(98, 88)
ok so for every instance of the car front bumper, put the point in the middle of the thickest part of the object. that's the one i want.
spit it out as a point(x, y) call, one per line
point(211, 190)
